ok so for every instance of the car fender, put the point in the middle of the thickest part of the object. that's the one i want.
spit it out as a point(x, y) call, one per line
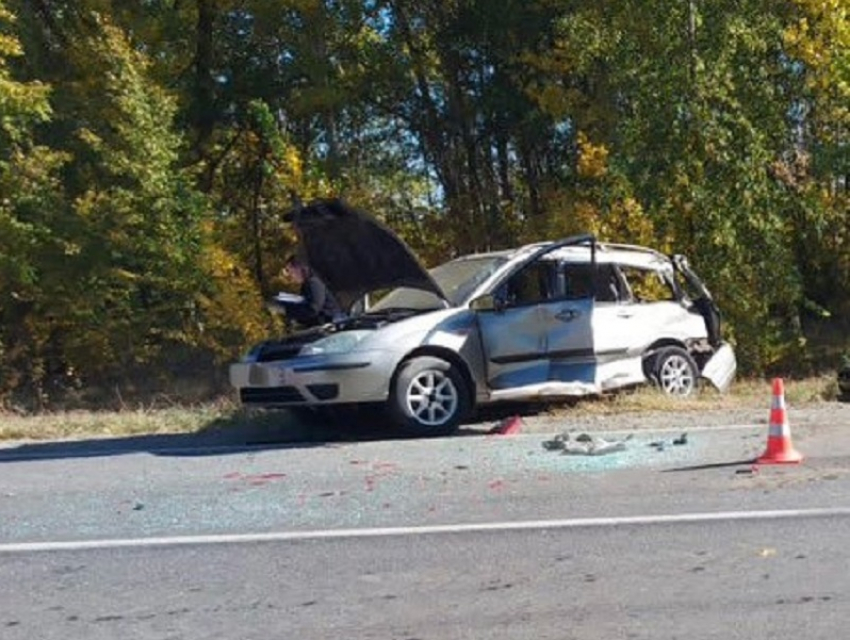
point(450, 334)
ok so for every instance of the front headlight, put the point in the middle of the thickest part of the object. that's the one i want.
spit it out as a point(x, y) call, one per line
point(341, 342)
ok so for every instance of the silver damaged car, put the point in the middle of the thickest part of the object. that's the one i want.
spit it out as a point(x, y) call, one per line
point(549, 320)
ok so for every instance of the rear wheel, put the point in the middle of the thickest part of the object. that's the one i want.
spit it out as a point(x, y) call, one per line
point(674, 371)
point(429, 397)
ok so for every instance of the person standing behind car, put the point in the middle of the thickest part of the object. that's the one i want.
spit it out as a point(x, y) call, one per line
point(319, 305)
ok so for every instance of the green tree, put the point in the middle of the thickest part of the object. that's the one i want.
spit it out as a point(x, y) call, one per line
point(696, 105)
point(145, 200)
point(133, 295)
point(118, 286)
point(818, 171)
point(29, 204)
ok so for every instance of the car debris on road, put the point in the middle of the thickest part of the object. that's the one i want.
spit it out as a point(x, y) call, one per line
point(660, 445)
point(585, 444)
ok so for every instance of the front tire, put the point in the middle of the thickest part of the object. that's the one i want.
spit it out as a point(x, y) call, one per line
point(429, 397)
point(675, 372)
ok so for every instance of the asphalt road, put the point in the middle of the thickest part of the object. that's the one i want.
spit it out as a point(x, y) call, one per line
point(471, 537)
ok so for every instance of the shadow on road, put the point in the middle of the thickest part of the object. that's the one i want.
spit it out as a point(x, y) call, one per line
point(248, 430)
point(714, 465)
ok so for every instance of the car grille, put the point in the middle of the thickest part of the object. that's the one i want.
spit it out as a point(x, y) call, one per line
point(270, 395)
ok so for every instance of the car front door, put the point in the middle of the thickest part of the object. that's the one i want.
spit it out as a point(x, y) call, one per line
point(538, 339)
point(513, 332)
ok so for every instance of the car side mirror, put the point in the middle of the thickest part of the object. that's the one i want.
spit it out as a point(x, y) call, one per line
point(485, 302)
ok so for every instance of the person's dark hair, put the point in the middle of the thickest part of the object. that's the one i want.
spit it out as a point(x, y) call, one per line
point(295, 261)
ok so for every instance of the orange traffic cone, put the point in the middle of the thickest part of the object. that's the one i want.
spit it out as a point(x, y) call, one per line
point(779, 448)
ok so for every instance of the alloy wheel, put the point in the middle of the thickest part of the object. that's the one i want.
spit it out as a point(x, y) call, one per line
point(676, 375)
point(432, 398)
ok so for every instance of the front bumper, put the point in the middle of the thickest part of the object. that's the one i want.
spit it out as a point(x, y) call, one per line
point(305, 381)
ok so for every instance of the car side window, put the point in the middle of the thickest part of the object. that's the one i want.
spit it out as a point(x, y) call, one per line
point(531, 285)
point(609, 284)
point(578, 280)
point(648, 285)
point(583, 280)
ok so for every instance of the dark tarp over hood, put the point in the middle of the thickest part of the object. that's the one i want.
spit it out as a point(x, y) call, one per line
point(354, 254)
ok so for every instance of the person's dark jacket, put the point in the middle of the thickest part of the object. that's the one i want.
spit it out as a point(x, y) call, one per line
point(319, 305)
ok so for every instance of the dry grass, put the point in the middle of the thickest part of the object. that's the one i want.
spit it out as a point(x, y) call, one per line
point(129, 422)
point(744, 394)
point(191, 419)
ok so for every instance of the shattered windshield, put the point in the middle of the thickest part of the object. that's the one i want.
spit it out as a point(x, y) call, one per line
point(457, 279)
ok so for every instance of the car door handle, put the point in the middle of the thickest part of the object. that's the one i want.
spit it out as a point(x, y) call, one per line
point(567, 315)
point(625, 314)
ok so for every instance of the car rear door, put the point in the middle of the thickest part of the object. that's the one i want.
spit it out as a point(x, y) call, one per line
point(568, 323)
point(649, 309)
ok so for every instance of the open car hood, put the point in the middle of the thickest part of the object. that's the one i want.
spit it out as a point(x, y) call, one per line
point(354, 253)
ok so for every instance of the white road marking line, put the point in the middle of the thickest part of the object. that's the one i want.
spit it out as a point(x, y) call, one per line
point(380, 532)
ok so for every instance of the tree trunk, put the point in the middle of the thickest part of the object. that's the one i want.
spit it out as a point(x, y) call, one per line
point(203, 99)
